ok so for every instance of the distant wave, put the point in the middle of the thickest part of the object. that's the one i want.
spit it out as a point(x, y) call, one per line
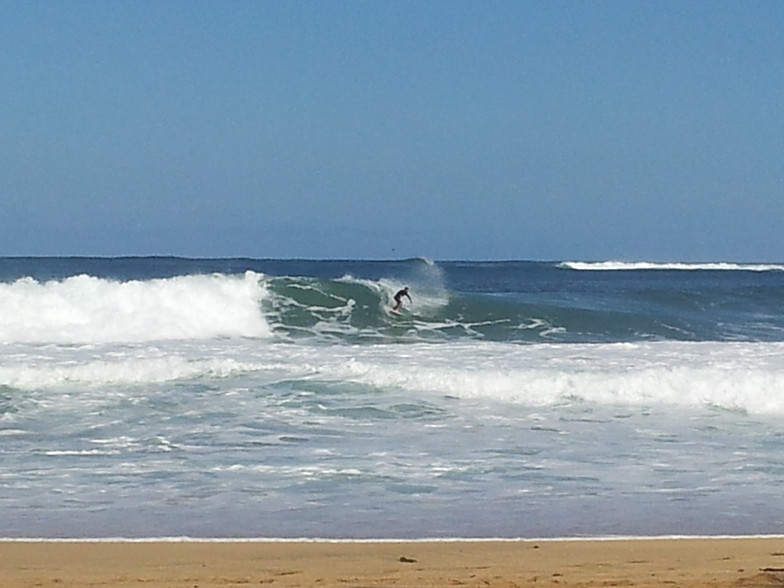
point(648, 265)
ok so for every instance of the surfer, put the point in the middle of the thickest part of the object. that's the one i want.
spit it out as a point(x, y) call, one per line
point(399, 299)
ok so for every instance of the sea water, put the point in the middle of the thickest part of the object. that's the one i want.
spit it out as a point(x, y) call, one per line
point(165, 397)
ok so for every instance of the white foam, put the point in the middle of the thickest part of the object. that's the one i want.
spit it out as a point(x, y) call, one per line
point(381, 540)
point(85, 309)
point(102, 368)
point(735, 376)
point(647, 265)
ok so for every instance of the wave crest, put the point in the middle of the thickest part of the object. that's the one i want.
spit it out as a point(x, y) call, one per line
point(649, 265)
point(86, 309)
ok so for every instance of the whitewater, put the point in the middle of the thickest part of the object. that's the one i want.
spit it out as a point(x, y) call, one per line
point(166, 397)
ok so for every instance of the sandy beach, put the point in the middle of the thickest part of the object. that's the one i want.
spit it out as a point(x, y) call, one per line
point(746, 562)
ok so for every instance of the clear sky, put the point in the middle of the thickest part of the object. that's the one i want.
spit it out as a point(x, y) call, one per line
point(375, 129)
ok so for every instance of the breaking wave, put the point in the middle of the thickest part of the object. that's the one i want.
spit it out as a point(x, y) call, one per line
point(647, 265)
point(86, 309)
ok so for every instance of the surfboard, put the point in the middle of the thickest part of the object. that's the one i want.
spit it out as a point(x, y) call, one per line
point(397, 312)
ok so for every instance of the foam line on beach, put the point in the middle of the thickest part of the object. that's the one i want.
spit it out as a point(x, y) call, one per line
point(389, 541)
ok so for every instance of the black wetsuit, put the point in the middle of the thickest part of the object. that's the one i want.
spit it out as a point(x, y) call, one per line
point(400, 294)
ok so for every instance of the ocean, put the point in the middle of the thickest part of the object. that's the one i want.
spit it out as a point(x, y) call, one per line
point(243, 398)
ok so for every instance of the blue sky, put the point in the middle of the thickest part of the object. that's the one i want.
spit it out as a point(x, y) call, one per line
point(636, 130)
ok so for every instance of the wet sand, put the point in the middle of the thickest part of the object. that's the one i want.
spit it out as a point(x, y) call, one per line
point(746, 562)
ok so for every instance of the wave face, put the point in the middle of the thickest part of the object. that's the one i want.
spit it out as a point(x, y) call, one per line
point(358, 310)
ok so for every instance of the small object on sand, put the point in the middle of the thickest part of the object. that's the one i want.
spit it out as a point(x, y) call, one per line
point(405, 559)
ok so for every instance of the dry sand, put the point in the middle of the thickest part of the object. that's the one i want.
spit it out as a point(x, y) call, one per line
point(746, 562)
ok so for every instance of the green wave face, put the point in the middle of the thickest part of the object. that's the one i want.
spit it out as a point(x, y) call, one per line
point(358, 311)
